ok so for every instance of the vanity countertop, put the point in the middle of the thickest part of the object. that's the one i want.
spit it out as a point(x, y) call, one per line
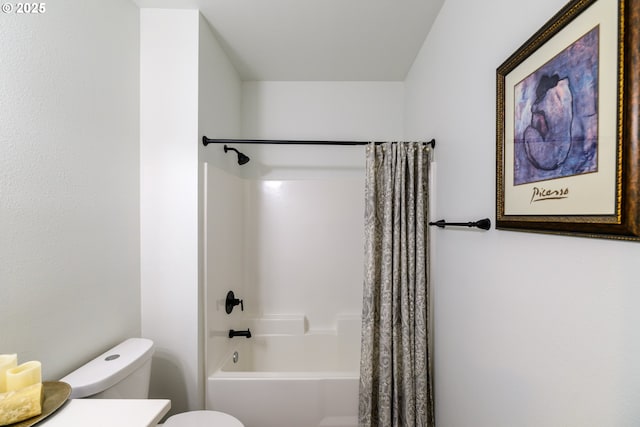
point(108, 413)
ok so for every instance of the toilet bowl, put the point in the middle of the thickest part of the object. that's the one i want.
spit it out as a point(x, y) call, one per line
point(202, 418)
point(124, 373)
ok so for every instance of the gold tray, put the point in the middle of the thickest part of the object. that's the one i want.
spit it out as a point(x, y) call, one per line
point(55, 394)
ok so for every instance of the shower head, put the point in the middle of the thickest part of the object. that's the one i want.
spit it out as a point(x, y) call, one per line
point(242, 159)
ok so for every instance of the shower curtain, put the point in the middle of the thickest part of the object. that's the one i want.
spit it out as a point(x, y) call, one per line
point(395, 365)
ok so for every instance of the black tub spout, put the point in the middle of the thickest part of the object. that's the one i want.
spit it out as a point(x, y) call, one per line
point(246, 334)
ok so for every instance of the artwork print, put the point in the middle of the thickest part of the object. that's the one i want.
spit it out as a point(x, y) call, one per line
point(556, 115)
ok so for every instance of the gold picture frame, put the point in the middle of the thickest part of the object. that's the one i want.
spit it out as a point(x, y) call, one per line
point(567, 113)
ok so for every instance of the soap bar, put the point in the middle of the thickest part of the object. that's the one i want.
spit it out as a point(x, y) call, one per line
point(20, 404)
point(24, 375)
point(7, 361)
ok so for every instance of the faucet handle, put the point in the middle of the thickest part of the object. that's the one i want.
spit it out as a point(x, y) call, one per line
point(231, 301)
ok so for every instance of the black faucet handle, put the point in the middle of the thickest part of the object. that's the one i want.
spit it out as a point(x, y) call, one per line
point(231, 301)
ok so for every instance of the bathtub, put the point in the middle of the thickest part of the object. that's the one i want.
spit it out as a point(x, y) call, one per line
point(306, 380)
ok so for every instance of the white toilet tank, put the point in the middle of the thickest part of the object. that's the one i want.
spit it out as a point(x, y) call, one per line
point(120, 373)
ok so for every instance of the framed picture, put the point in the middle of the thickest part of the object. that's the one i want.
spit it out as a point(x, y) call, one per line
point(567, 113)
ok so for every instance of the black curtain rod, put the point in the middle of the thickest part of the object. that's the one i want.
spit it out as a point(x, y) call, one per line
point(206, 141)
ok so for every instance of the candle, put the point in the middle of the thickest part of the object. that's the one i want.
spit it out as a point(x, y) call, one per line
point(24, 375)
point(7, 361)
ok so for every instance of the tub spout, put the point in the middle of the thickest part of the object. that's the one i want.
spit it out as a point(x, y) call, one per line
point(233, 333)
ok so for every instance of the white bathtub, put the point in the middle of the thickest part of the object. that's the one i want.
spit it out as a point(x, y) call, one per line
point(307, 380)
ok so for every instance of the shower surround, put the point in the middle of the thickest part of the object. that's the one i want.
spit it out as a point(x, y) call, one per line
point(284, 232)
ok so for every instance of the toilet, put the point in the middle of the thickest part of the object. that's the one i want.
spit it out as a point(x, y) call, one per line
point(124, 373)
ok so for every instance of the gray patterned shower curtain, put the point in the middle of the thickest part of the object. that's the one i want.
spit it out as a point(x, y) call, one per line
point(395, 366)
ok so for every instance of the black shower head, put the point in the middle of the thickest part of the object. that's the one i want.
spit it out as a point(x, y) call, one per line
point(242, 158)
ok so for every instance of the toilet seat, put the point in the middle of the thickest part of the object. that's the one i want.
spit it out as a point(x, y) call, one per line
point(202, 419)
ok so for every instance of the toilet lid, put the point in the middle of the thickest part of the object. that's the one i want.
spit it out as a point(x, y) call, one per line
point(202, 419)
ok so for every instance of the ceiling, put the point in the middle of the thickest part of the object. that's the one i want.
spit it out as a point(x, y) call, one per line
point(316, 40)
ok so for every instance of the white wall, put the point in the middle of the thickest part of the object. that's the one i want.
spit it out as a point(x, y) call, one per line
point(169, 243)
point(69, 215)
point(530, 330)
point(322, 110)
point(188, 89)
point(221, 195)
